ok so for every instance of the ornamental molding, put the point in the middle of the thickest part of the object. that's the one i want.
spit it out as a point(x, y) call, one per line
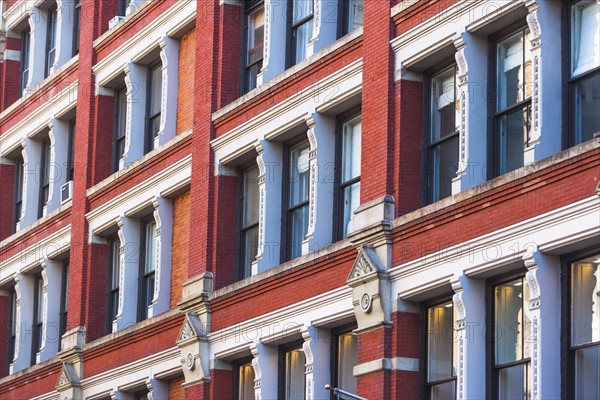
point(366, 264)
point(190, 329)
point(68, 377)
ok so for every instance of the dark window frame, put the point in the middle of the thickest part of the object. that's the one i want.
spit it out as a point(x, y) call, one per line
point(334, 352)
point(12, 315)
point(567, 350)
point(343, 12)
point(51, 36)
point(492, 381)
point(71, 150)
point(120, 121)
point(144, 298)
point(19, 174)
point(112, 292)
point(64, 296)
point(286, 234)
point(45, 166)
point(76, 27)
point(281, 370)
point(250, 6)
point(148, 134)
point(25, 61)
point(121, 8)
point(236, 374)
point(242, 229)
point(339, 186)
point(38, 324)
point(493, 125)
point(292, 29)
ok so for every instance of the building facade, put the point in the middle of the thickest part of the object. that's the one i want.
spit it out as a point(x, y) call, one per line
point(227, 199)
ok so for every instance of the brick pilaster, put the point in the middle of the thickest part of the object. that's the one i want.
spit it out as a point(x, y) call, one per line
point(7, 200)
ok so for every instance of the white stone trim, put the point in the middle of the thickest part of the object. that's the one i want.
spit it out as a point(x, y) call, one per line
point(17, 13)
point(12, 55)
point(405, 364)
point(169, 23)
point(169, 55)
point(369, 367)
point(24, 287)
point(163, 216)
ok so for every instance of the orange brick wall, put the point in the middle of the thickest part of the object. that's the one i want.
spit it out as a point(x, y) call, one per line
point(181, 224)
point(176, 390)
point(185, 91)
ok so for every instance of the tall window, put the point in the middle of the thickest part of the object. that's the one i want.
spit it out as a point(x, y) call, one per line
point(154, 105)
point(44, 177)
point(291, 375)
point(511, 355)
point(512, 114)
point(244, 380)
point(18, 190)
point(12, 320)
point(76, 26)
point(442, 150)
point(38, 313)
point(584, 333)
point(121, 7)
point(300, 13)
point(441, 368)
point(113, 281)
point(297, 181)
point(71, 149)
point(25, 47)
point(584, 70)
point(64, 299)
point(141, 395)
point(249, 200)
point(349, 147)
point(50, 41)
point(344, 359)
point(351, 15)
point(147, 267)
point(120, 125)
point(254, 37)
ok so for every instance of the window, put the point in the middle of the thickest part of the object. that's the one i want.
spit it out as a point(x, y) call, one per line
point(147, 267)
point(349, 147)
point(64, 298)
point(76, 26)
point(512, 113)
point(344, 360)
point(300, 13)
point(511, 366)
point(297, 178)
point(44, 177)
point(141, 395)
point(38, 314)
point(154, 105)
point(440, 339)
point(351, 16)
point(25, 46)
point(249, 200)
point(584, 328)
point(291, 372)
point(12, 320)
point(120, 125)
point(584, 70)
point(254, 38)
point(18, 190)
point(50, 41)
point(442, 140)
point(113, 279)
point(121, 7)
point(71, 149)
point(244, 379)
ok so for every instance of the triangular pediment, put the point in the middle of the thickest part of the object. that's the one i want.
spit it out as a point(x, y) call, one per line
point(68, 377)
point(191, 328)
point(367, 263)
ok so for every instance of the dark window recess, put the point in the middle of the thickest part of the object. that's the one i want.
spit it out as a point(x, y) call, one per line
point(113, 281)
point(44, 177)
point(18, 191)
point(12, 328)
point(348, 155)
point(64, 298)
point(71, 149)
point(147, 268)
point(350, 16)
point(291, 372)
point(254, 23)
point(38, 307)
point(248, 220)
point(25, 48)
point(153, 107)
point(296, 199)
point(300, 15)
point(76, 26)
point(120, 125)
point(50, 41)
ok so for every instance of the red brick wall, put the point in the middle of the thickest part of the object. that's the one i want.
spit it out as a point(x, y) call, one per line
point(421, 12)
point(405, 342)
point(378, 144)
point(176, 389)
point(374, 345)
point(7, 200)
point(230, 45)
point(11, 75)
point(225, 231)
point(198, 392)
point(185, 90)
point(102, 151)
point(181, 231)
point(221, 384)
point(32, 385)
point(4, 333)
point(95, 302)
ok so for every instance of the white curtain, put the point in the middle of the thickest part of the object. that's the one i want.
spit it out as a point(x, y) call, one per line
point(585, 36)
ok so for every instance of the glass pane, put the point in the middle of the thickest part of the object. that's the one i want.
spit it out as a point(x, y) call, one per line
point(440, 341)
point(251, 75)
point(246, 382)
point(150, 236)
point(512, 382)
point(585, 34)
point(444, 106)
point(299, 174)
point(154, 126)
point(351, 203)
point(255, 36)
point(587, 104)
point(508, 323)
point(444, 163)
point(115, 264)
point(351, 146)
point(347, 359)
point(40, 299)
point(294, 374)
point(250, 250)
point(444, 391)
point(355, 14)
point(298, 229)
point(46, 166)
point(514, 132)
point(587, 373)
point(302, 9)
point(585, 301)
point(121, 113)
point(251, 197)
point(513, 68)
point(149, 282)
point(303, 34)
point(155, 89)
